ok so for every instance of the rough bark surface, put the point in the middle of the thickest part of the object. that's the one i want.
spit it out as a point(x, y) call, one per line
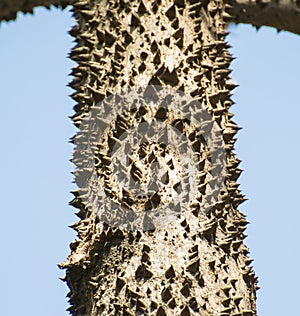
point(199, 265)
point(281, 14)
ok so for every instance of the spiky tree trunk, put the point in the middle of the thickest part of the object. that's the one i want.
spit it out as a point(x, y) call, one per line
point(199, 266)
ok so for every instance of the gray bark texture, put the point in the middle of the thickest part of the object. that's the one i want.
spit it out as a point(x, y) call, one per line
point(199, 265)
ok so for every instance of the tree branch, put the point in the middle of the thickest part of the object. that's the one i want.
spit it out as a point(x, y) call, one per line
point(10, 8)
point(281, 14)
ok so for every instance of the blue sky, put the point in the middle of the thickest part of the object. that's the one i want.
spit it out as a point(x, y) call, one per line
point(35, 167)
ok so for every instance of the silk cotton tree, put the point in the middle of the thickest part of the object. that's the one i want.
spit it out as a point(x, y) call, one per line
point(198, 264)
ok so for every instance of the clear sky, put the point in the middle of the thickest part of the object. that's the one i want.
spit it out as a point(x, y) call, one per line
point(35, 167)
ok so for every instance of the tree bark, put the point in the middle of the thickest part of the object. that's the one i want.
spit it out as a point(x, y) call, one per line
point(10, 8)
point(280, 14)
point(199, 265)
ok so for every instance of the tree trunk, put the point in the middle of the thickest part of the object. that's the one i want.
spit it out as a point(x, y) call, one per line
point(199, 264)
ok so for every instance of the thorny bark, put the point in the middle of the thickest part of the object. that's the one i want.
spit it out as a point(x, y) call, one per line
point(280, 14)
point(199, 266)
